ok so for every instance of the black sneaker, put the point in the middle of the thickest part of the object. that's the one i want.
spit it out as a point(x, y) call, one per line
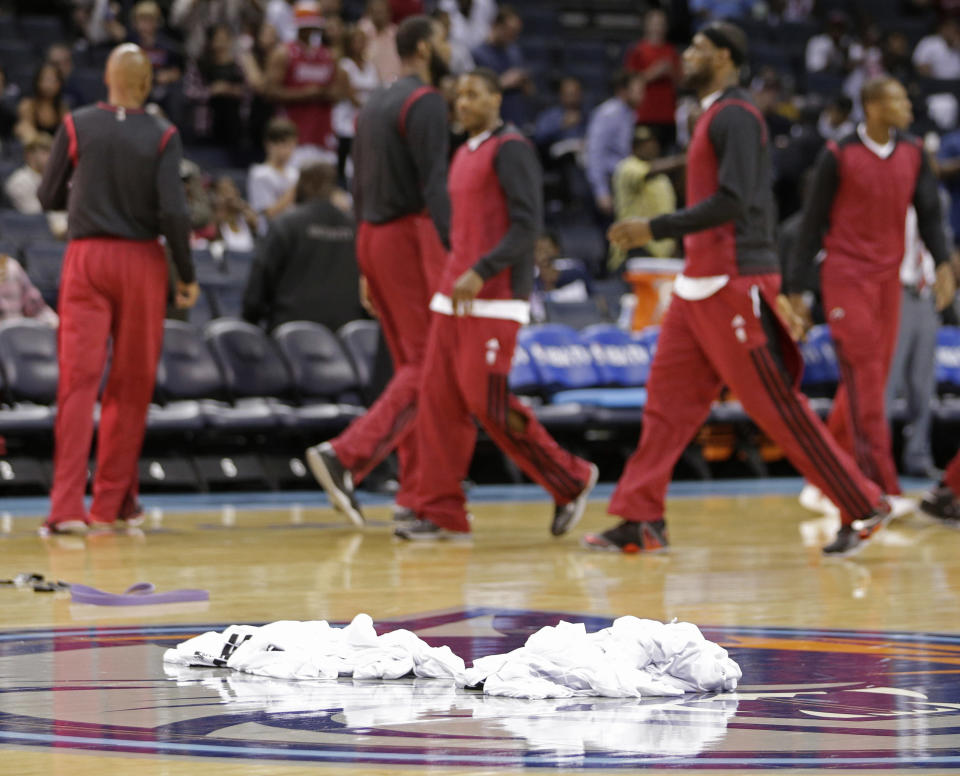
point(568, 515)
point(943, 506)
point(422, 530)
point(403, 514)
point(335, 480)
point(852, 538)
point(630, 537)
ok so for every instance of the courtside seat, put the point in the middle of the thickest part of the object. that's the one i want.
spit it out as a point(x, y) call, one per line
point(821, 370)
point(620, 360)
point(948, 360)
point(186, 374)
point(324, 380)
point(28, 364)
point(561, 359)
point(647, 337)
point(254, 374)
point(523, 377)
point(577, 315)
point(360, 340)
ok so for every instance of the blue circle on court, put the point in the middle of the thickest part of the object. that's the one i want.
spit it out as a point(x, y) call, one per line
point(809, 699)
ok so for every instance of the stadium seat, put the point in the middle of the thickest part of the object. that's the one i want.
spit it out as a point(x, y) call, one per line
point(323, 377)
point(203, 310)
point(44, 262)
point(620, 360)
point(88, 82)
point(226, 300)
point(577, 315)
point(821, 371)
point(24, 226)
point(186, 373)
point(28, 362)
point(647, 337)
point(41, 31)
point(948, 359)
point(251, 364)
point(523, 377)
point(360, 340)
point(561, 359)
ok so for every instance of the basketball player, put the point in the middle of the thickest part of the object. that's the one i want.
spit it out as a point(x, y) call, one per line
point(400, 162)
point(116, 169)
point(496, 191)
point(721, 327)
point(856, 211)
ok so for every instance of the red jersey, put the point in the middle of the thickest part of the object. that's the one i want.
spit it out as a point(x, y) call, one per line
point(659, 103)
point(312, 66)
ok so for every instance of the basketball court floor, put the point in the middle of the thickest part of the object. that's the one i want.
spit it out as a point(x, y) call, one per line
point(847, 665)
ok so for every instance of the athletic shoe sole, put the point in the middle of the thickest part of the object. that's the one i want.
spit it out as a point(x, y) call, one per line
point(339, 499)
point(580, 504)
point(63, 528)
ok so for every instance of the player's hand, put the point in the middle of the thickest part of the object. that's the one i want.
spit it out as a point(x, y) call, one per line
point(465, 290)
point(365, 302)
point(186, 295)
point(796, 314)
point(630, 233)
point(944, 287)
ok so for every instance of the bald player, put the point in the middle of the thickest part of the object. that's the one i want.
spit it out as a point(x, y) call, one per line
point(115, 168)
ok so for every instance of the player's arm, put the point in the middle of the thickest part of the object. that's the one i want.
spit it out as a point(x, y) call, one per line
point(174, 216)
point(735, 134)
point(54, 185)
point(520, 178)
point(816, 221)
point(428, 137)
point(926, 201)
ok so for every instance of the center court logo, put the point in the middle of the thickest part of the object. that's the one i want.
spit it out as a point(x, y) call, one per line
point(810, 699)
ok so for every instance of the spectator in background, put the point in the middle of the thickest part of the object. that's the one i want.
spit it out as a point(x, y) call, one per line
point(896, 56)
point(255, 51)
point(235, 219)
point(641, 190)
point(305, 269)
point(938, 55)
point(501, 54)
point(225, 86)
point(836, 119)
point(657, 61)
point(833, 50)
point(60, 55)
point(461, 60)
point(470, 20)
point(610, 137)
point(767, 93)
point(271, 186)
point(401, 9)
point(44, 110)
point(948, 171)
point(305, 80)
point(198, 203)
point(279, 15)
point(99, 22)
point(363, 78)
point(147, 19)
point(561, 129)
point(194, 18)
point(22, 185)
point(555, 278)
point(19, 298)
point(381, 40)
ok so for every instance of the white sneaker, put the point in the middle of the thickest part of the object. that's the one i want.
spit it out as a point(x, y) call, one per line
point(812, 499)
point(901, 506)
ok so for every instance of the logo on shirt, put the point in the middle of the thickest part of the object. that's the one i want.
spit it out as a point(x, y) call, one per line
point(493, 349)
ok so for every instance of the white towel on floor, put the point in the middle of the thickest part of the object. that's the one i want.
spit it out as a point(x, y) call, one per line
point(631, 658)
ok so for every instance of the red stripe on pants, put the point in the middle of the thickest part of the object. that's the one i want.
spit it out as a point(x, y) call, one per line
point(721, 340)
point(864, 318)
point(117, 289)
point(402, 262)
point(465, 378)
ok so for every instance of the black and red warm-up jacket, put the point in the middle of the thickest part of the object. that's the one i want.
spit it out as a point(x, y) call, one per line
point(117, 172)
point(856, 211)
point(729, 224)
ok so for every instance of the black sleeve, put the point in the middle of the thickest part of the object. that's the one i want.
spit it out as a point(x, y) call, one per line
point(268, 262)
point(736, 135)
point(521, 180)
point(174, 216)
point(926, 200)
point(797, 275)
point(428, 137)
point(53, 189)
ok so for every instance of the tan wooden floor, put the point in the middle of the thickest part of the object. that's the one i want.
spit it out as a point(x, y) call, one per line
point(735, 562)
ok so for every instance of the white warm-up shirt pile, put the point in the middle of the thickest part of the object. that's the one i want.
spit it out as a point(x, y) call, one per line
point(631, 658)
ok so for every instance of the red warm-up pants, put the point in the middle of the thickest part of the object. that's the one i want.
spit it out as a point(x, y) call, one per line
point(864, 317)
point(951, 477)
point(465, 378)
point(402, 261)
point(109, 288)
point(732, 338)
